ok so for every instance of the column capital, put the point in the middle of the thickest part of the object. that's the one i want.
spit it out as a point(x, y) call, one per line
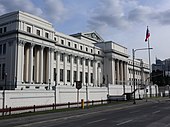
point(42, 47)
point(21, 42)
point(51, 49)
point(32, 45)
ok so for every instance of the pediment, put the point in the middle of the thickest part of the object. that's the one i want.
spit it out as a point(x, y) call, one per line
point(94, 36)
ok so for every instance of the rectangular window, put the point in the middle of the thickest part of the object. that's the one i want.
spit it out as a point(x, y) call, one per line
point(68, 58)
point(55, 75)
point(5, 29)
point(75, 60)
point(0, 30)
point(91, 50)
point(55, 39)
point(75, 76)
point(98, 64)
point(68, 75)
point(86, 49)
point(86, 77)
point(91, 63)
point(81, 47)
point(46, 35)
point(55, 55)
point(62, 42)
point(81, 76)
point(69, 44)
point(86, 62)
point(0, 49)
point(75, 45)
point(38, 32)
point(61, 75)
point(3, 71)
point(61, 57)
point(91, 77)
point(28, 29)
point(4, 48)
point(0, 72)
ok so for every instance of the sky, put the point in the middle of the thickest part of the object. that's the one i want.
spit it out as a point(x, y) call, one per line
point(120, 21)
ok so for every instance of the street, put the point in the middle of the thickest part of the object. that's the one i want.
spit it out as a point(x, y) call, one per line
point(143, 114)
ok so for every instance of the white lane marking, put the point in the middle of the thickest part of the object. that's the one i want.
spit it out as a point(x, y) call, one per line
point(63, 118)
point(124, 122)
point(135, 111)
point(154, 106)
point(156, 112)
point(96, 121)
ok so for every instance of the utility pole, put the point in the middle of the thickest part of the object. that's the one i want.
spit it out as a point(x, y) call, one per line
point(3, 94)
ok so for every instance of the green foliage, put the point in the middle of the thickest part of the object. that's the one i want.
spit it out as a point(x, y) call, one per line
point(159, 78)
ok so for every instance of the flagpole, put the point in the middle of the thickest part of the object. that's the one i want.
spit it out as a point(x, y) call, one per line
point(149, 68)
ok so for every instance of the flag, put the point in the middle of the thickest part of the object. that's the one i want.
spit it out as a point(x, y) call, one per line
point(147, 34)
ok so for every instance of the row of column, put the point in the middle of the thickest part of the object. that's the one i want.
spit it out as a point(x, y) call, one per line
point(120, 72)
point(72, 68)
point(36, 65)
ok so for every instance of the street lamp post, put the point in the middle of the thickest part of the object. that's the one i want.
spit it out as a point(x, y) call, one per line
point(4, 88)
point(55, 98)
point(133, 52)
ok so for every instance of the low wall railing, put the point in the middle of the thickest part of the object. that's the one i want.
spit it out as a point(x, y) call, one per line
point(35, 108)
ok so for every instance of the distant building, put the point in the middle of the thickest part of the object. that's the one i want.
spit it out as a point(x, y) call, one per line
point(34, 56)
point(162, 65)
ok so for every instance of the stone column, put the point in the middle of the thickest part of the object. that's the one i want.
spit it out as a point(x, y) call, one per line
point(95, 72)
point(83, 72)
point(113, 72)
point(52, 67)
point(20, 62)
point(22, 76)
point(26, 65)
point(65, 69)
point(89, 71)
point(48, 78)
point(36, 64)
point(71, 70)
point(121, 70)
point(58, 67)
point(126, 71)
point(41, 65)
point(78, 70)
point(31, 63)
point(118, 73)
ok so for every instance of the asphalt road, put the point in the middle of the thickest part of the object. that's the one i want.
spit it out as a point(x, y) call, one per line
point(143, 114)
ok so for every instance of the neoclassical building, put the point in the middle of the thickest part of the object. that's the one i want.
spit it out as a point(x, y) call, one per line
point(35, 56)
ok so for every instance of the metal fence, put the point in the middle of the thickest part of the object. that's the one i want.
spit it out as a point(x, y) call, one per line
point(35, 108)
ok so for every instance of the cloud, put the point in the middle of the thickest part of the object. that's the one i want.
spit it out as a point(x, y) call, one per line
point(51, 10)
point(162, 17)
point(23, 5)
point(55, 10)
point(123, 14)
point(108, 13)
point(140, 14)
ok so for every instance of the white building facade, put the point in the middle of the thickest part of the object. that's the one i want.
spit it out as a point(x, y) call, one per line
point(34, 56)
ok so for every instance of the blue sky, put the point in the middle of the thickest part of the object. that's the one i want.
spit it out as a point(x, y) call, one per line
point(122, 21)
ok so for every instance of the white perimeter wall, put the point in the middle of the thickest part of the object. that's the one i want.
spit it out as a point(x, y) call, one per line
point(64, 94)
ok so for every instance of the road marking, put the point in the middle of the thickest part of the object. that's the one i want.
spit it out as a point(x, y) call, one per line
point(96, 121)
point(124, 122)
point(154, 106)
point(135, 111)
point(156, 112)
point(86, 114)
